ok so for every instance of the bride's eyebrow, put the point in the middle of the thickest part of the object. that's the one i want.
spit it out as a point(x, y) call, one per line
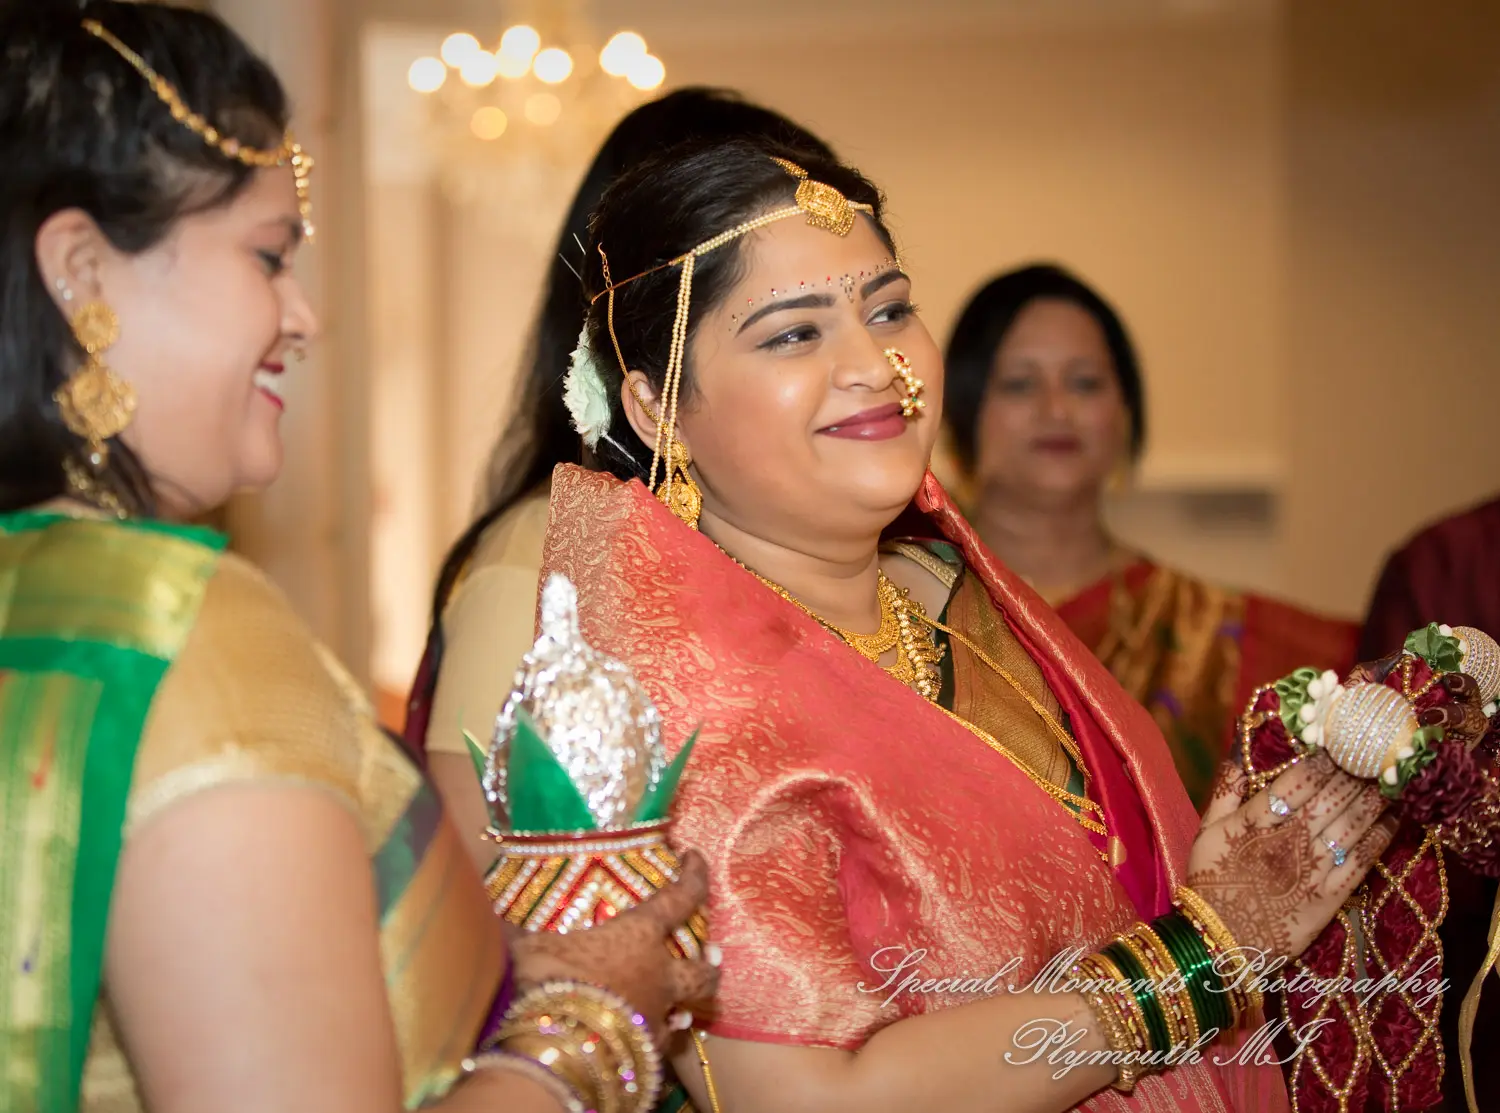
point(802, 301)
point(877, 282)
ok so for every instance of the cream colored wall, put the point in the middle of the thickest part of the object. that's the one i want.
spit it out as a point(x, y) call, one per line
point(1392, 357)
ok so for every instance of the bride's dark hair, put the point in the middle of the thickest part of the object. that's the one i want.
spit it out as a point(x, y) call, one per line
point(661, 210)
point(81, 129)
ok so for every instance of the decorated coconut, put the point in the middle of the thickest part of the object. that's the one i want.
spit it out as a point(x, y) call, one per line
point(579, 787)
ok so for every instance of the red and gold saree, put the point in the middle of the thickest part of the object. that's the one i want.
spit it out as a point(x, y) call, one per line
point(845, 818)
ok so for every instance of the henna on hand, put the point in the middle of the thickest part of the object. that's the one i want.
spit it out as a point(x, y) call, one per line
point(1260, 881)
point(1462, 718)
point(628, 954)
point(1270, 877)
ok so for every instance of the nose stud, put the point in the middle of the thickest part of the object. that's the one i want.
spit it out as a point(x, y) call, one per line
point(914, 386)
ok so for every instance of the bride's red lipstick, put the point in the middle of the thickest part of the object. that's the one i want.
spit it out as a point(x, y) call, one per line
point(878, 424)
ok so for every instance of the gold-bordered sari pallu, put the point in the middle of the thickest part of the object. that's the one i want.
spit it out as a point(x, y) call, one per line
point(92, 614)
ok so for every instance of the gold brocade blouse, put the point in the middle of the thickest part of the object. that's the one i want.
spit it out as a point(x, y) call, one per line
point(254, 698)
point(488, 625)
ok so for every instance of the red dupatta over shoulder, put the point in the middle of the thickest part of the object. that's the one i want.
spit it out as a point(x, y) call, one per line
point(852, 827)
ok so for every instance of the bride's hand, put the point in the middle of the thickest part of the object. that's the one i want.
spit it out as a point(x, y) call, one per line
point(1269, 865)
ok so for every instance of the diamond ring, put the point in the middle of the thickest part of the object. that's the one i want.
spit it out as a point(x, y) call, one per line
point(1340, 855)
point(1279, 807)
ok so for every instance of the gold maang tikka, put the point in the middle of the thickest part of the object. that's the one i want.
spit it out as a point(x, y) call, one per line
point(822, 205)
point(289, 153)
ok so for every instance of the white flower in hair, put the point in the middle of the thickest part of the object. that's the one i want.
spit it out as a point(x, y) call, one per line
point(585, 394)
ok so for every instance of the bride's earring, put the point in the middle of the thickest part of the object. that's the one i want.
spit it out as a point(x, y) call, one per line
point(677, 492)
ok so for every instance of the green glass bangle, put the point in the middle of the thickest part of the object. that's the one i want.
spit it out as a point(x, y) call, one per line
point(1196, 964)
point(1205, 988)
point(1145, 995)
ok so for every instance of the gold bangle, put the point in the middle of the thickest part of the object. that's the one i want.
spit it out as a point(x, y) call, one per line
point(1171, 986)
point(570, 1059)
point(1114, 1019)
point(543, 1076)
point(1175, 1022)
point(1125, 1003)
point(635, 1073)
point(1119, 999)
point(1207, 923)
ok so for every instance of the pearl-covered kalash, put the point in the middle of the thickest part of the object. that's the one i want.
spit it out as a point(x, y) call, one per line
point(604, 732)
point(590, 710)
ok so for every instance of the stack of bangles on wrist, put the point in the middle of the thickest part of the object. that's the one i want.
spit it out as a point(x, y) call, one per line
point(1166, 986)
point(582, 1044)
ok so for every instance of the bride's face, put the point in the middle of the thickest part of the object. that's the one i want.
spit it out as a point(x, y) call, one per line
point(795, 423)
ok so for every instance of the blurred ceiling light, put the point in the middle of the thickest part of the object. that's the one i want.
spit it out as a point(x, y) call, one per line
point(473, 103)
point(480, 70)
point(459, 47)
point(646, 72)
point(489, 123)
point(620, 51)
point(520, 42)
point(543, 109)
point(427, 75)
point(512, 66)
point(553, 65)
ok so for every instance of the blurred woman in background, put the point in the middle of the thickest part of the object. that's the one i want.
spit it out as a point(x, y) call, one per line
point(1045, 405)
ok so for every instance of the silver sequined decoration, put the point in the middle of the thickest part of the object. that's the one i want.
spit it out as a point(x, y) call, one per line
point(590, 710)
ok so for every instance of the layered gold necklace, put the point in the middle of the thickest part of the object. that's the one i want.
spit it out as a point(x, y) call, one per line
point(916, 663)
point(906, 626)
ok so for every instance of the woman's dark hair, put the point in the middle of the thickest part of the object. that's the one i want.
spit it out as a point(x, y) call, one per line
point(982, 327)
point(81, 129)
point(540, 434)
point(661, 210)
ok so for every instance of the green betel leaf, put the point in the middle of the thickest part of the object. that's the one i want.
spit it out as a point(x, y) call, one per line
point(477, 755)
point(1439, 650)
point(1408, 769)
point(542, 795)
point(655, 807)
point(1292, 691)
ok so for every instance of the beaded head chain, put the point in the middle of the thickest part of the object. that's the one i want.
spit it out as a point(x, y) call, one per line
point(289, 153)
point(823, 206)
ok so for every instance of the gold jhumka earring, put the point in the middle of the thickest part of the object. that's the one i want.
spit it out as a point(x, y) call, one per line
point(824, 207)
point(678, 492)
point(96, 405)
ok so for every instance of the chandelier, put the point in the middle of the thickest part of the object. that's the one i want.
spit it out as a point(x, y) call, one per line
point(533, 96)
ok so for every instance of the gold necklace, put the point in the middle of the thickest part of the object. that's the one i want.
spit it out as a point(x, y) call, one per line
point(916, 666)
point(1089, 813)
point(916, 663)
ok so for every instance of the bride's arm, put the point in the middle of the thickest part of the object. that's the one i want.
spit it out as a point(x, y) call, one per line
point(954, 1061)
